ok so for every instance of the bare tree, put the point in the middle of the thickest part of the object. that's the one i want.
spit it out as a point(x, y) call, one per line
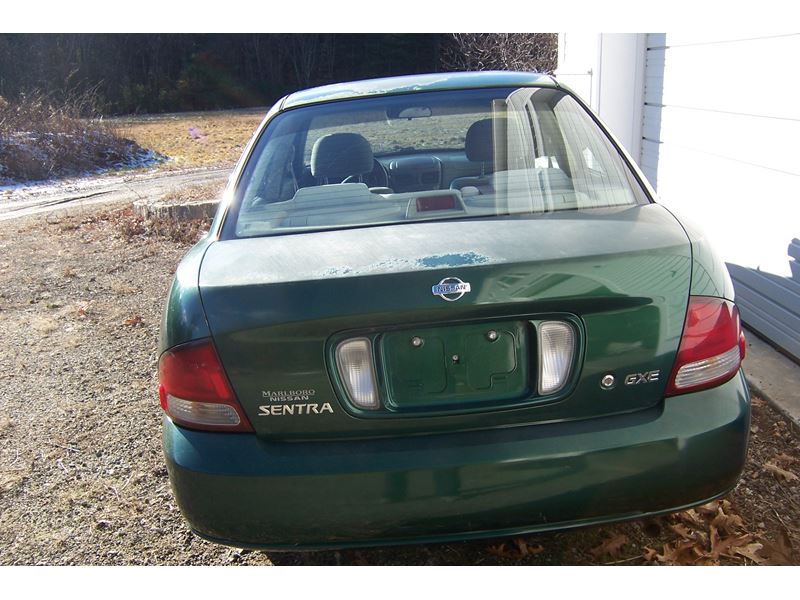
point(153, 72)
point(308, 54)
point(500, 51)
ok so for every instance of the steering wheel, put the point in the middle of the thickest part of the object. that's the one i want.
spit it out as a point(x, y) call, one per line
point(378, 177)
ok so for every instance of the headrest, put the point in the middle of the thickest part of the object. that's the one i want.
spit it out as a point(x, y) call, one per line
point(340, 155)
point(479, 141)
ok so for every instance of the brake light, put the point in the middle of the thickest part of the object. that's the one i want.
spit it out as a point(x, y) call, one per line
point(712, 346)
point(195, 391)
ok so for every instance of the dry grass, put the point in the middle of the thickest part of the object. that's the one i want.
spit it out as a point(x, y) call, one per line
point(133, 227)
point(40, 140)
point(195, 193)
point(201, 139)
point(195, 139)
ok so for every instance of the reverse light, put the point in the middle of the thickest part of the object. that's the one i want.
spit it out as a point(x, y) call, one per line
point(712, 346)
point(195, 391)
point(556, 352)
point(354, 361)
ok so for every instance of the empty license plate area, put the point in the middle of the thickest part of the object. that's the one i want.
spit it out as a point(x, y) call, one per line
point(440, 367)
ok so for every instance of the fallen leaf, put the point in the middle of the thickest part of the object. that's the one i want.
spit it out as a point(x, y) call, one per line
point(729, 523)
point(649, 554)
point(526, 549)
point(691, 517)
point(709, 509)
point(713, 536)
point(785, 459)
point(134, 321)
point(682, 531)
point(610, 547)
point(724, 546)
point(682, 554)
point(750, 551)
point(780, 473)
point(779, 553)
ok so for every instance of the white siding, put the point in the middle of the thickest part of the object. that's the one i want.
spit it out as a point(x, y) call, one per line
point(721, 139)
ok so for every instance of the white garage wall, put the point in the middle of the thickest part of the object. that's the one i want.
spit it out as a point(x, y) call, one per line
point(720, 136)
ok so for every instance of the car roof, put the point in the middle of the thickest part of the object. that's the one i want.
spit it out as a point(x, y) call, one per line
point(415, 83)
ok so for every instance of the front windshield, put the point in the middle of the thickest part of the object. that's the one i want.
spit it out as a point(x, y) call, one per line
point(426, 156)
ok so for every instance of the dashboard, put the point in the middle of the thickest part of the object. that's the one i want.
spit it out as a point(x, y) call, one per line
point(429, 171)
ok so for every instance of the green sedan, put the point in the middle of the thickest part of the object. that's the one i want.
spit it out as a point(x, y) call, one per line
point(443, 307)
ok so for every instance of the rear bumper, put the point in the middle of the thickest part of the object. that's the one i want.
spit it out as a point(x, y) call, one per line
point(238, 489)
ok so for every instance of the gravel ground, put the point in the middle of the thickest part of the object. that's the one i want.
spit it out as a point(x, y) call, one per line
point(82, 480)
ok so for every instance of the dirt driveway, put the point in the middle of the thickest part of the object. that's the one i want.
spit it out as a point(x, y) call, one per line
point(82, 479)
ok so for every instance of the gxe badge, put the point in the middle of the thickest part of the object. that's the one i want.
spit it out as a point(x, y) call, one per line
point(637, 378)
point(451, 289)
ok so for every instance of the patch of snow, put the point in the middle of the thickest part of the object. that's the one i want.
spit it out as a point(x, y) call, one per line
point(82, 181)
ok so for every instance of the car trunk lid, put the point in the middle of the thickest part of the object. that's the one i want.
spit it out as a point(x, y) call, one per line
point(279, 306)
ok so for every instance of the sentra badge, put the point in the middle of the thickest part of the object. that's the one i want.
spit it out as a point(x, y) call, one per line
point(292, 402)
point(451, 289)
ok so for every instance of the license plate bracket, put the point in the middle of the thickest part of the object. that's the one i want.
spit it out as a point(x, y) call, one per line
point(448, 366)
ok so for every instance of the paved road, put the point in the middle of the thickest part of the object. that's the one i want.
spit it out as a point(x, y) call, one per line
point(71, 196)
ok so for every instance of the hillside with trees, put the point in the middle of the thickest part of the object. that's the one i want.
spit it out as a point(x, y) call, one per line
point(148, 73)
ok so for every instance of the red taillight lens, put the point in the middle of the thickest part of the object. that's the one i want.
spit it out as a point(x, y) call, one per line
point(712, 346)
point(195, 391)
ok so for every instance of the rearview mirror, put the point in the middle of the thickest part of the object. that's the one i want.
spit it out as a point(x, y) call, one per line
point(410, 112)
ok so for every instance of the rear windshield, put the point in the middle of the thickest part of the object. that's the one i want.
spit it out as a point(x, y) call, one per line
point(426, 156)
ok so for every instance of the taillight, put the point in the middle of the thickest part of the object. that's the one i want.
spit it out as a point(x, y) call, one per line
point(712, 346)
point(195, 391)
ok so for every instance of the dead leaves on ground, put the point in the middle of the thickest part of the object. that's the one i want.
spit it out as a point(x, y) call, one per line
point(779, 468)
point(610, 547)
point(730, 546)
point(780, 474)
point(780, 552)
point(713, 532)
point(680, 553)
point(517, 549)
point(710, 534)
